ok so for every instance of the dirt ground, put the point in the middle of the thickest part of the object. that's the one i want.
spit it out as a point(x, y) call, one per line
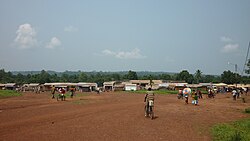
point(116, 116)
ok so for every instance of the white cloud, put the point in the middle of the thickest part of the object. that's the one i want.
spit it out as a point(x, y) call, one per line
point(70, 29)
point(229, 48)
point(54, 42)
point(26, 36)
point(225, 39)
point(134, 54)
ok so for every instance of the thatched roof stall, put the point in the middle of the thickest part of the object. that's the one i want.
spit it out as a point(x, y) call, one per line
point(109, 86)
point(220, 85)
point(206, 84)
point(10, 86)
point(241, 86)
point(145, 84)
point(177, 86)
point(48, 86)
point(120, 86)
point(141, 83)
point(194, 86)
point(244, 85)
point(2, 86)
point(164, 86)
point(86, 87)
point(30, 87)
point(197, 86)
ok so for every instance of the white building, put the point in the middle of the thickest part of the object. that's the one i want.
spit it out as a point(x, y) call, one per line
point(130, 87)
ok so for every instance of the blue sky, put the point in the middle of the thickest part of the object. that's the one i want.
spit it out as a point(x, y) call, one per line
point(113, 35)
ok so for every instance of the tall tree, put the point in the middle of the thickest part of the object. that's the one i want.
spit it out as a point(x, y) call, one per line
point(211, 78)
point(64, 77)
point(132, 75)
point(165, 77)
point(115, 76)
point(185, 76)
point(82, 77)
point(229, 77)
point(2, 76)
point(19, 79)
point(44, 77)
point(198, 76)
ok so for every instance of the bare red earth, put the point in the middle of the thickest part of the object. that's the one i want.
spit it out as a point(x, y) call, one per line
point(112, 117)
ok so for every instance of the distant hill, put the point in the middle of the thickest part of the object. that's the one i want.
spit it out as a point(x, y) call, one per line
point(139, 73)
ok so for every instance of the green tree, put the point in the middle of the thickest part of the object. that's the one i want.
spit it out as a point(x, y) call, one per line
point(43, 77)
point(132, 75)
point(115, 77)
point(197, 76)
point(210, 78)
point(82, 77)
point(20, 79)
point(99, 79)
point(54, 78)
point(229, 77)
point(2, 76)
point(64, 77)
point(185, 76)
point(245, 79)
point(165, 77)
point(73, 78)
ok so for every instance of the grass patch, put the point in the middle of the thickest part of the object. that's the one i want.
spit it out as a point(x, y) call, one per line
point(247, 110)
point(236, 131)
point(8, 93)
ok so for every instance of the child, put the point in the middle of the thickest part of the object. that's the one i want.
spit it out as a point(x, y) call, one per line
point(195, 99)
point(192, 96)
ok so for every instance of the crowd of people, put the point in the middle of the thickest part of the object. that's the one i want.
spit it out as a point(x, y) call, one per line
point(186, 93)
point(196, 94)
point(62, 91)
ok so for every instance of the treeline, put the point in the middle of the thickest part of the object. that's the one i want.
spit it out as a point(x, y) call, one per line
point(100, 77)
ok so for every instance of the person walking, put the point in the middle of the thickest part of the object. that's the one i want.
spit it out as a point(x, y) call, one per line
point(72, 90)
point(199, 94)
point(186, 92)
point(53, 90)
point(148, 96)
point(234, 92)
point(195, 99)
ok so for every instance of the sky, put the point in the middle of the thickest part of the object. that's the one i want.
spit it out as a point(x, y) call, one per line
point(122, 35)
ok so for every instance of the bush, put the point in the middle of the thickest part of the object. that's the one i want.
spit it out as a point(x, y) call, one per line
point(9, 93)
point(247, 110)
point(236, 136)
point(236, 131)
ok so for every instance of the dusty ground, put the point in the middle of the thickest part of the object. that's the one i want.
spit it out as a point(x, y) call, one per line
point(113, 116)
